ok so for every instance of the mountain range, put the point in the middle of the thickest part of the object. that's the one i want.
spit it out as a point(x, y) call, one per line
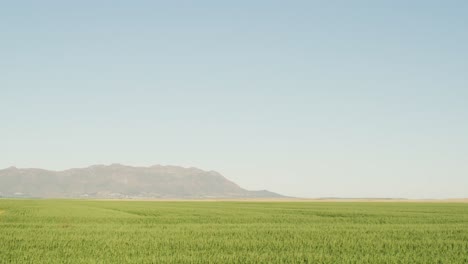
point(120, 181)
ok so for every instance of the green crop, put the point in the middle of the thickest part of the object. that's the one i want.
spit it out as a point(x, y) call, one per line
point(86, 231)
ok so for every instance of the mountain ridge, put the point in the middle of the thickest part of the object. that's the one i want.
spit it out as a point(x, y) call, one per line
point(122, 181)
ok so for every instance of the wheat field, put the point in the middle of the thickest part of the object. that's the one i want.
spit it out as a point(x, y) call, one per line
point(87, 231)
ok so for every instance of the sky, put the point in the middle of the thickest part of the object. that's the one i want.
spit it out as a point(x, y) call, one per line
point(304, 98)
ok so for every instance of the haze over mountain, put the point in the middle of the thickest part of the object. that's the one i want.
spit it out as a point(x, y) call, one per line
point(120, 181)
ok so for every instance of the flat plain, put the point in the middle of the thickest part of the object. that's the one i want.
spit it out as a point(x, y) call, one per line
point(89, 231)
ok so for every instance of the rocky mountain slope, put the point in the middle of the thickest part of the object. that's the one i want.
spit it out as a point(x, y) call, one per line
point(119, 181)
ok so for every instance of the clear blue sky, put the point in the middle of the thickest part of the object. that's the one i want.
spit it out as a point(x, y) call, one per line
point(305, 98)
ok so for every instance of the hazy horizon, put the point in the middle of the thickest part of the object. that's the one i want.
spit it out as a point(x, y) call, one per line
point(304, 99)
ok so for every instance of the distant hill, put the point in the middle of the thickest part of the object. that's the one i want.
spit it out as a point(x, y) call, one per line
point(119, 181)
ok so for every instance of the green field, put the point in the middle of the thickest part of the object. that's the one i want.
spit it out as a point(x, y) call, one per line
point(82, 231)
